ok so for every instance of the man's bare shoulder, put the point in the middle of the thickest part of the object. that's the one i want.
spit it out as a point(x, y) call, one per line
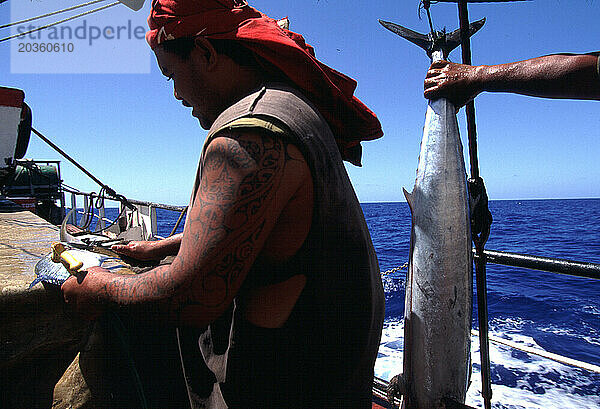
point(259, 149)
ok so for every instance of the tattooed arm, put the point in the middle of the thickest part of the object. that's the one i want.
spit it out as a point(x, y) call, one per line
point(247, 180)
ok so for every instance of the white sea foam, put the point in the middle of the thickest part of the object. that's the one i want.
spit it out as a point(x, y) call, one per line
point(519, 380)
point(591, 337)
point(591, 309)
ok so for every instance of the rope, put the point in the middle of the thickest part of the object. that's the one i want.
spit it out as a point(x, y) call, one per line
point(481, 218)
point(544, 354)
point(395, 270)
point(424, 4)
point(50, 14)
point(59, 22)
point(119, 328)
point(178, 221)
point(98, 204)
point(110, 222)
point(89, 212)
point(113, 222)
point(108, 189)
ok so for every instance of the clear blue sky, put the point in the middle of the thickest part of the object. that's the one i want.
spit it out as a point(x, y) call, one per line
point(130, 132)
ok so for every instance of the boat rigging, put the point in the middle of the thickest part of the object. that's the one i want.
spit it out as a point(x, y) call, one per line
point(135, 5)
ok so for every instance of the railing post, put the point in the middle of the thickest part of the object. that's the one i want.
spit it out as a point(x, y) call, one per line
point(153, 223)
point(101, 214)
point(85, 209)
point(73, 220)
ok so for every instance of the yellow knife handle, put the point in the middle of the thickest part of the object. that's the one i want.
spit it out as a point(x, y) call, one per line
point(57, 249)
point(59, 254)
point(70, 262)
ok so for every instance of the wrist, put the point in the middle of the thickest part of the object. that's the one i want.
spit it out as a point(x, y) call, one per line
point(156, 249)
point(165, 247)
point(481, 78)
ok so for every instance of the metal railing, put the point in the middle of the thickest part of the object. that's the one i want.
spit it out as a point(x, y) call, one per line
point(94, 206)
point(530, 262)
point(551, 265)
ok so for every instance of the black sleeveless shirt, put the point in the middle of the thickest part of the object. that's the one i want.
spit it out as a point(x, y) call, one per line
point(323, 356)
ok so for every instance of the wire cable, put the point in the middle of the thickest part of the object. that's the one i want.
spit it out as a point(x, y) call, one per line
point(60, 21)
point(50, 14)
point(108, 189)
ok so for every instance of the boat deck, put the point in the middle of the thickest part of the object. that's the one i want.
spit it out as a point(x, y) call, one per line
point(38, 337)
point(24, 239)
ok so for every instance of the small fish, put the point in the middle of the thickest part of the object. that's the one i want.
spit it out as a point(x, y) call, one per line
point(55, 273)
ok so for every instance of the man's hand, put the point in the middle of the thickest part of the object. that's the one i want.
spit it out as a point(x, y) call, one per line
point(84, 292)
point(139, 250)
point(456, 82)
point(150, 250)
point(551, 76)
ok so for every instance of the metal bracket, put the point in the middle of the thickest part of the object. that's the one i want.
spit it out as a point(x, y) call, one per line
point(134, 5)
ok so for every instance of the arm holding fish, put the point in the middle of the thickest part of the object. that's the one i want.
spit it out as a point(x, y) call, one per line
point(247, 181)
point(150, 250)
point(573, 76)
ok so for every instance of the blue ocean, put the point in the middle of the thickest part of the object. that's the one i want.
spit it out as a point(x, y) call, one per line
point(545, 311)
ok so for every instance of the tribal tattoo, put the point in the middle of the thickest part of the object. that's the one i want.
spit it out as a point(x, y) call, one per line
point(241, 193)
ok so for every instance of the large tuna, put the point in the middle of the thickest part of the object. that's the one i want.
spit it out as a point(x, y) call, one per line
point(439, 283)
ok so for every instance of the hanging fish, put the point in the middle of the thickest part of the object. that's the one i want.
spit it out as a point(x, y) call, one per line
point(439, 282)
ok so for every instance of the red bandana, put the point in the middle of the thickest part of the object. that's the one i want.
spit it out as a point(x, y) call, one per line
point(332, 92)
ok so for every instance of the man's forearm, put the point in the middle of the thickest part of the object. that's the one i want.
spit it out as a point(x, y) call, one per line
point(552, 76)
point(167, 247)
point(157, 295)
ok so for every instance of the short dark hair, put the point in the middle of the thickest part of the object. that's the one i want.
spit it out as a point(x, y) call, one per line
point(183, 47)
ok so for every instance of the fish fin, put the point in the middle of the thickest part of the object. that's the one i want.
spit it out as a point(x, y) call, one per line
point(34, 282)
point(110, 268)
point(408, 197)
point(63, 227)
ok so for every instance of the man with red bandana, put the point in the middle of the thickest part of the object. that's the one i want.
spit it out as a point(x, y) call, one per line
point(275, 262)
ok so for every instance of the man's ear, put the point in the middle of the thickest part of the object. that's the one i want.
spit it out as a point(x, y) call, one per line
point(205, 50)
